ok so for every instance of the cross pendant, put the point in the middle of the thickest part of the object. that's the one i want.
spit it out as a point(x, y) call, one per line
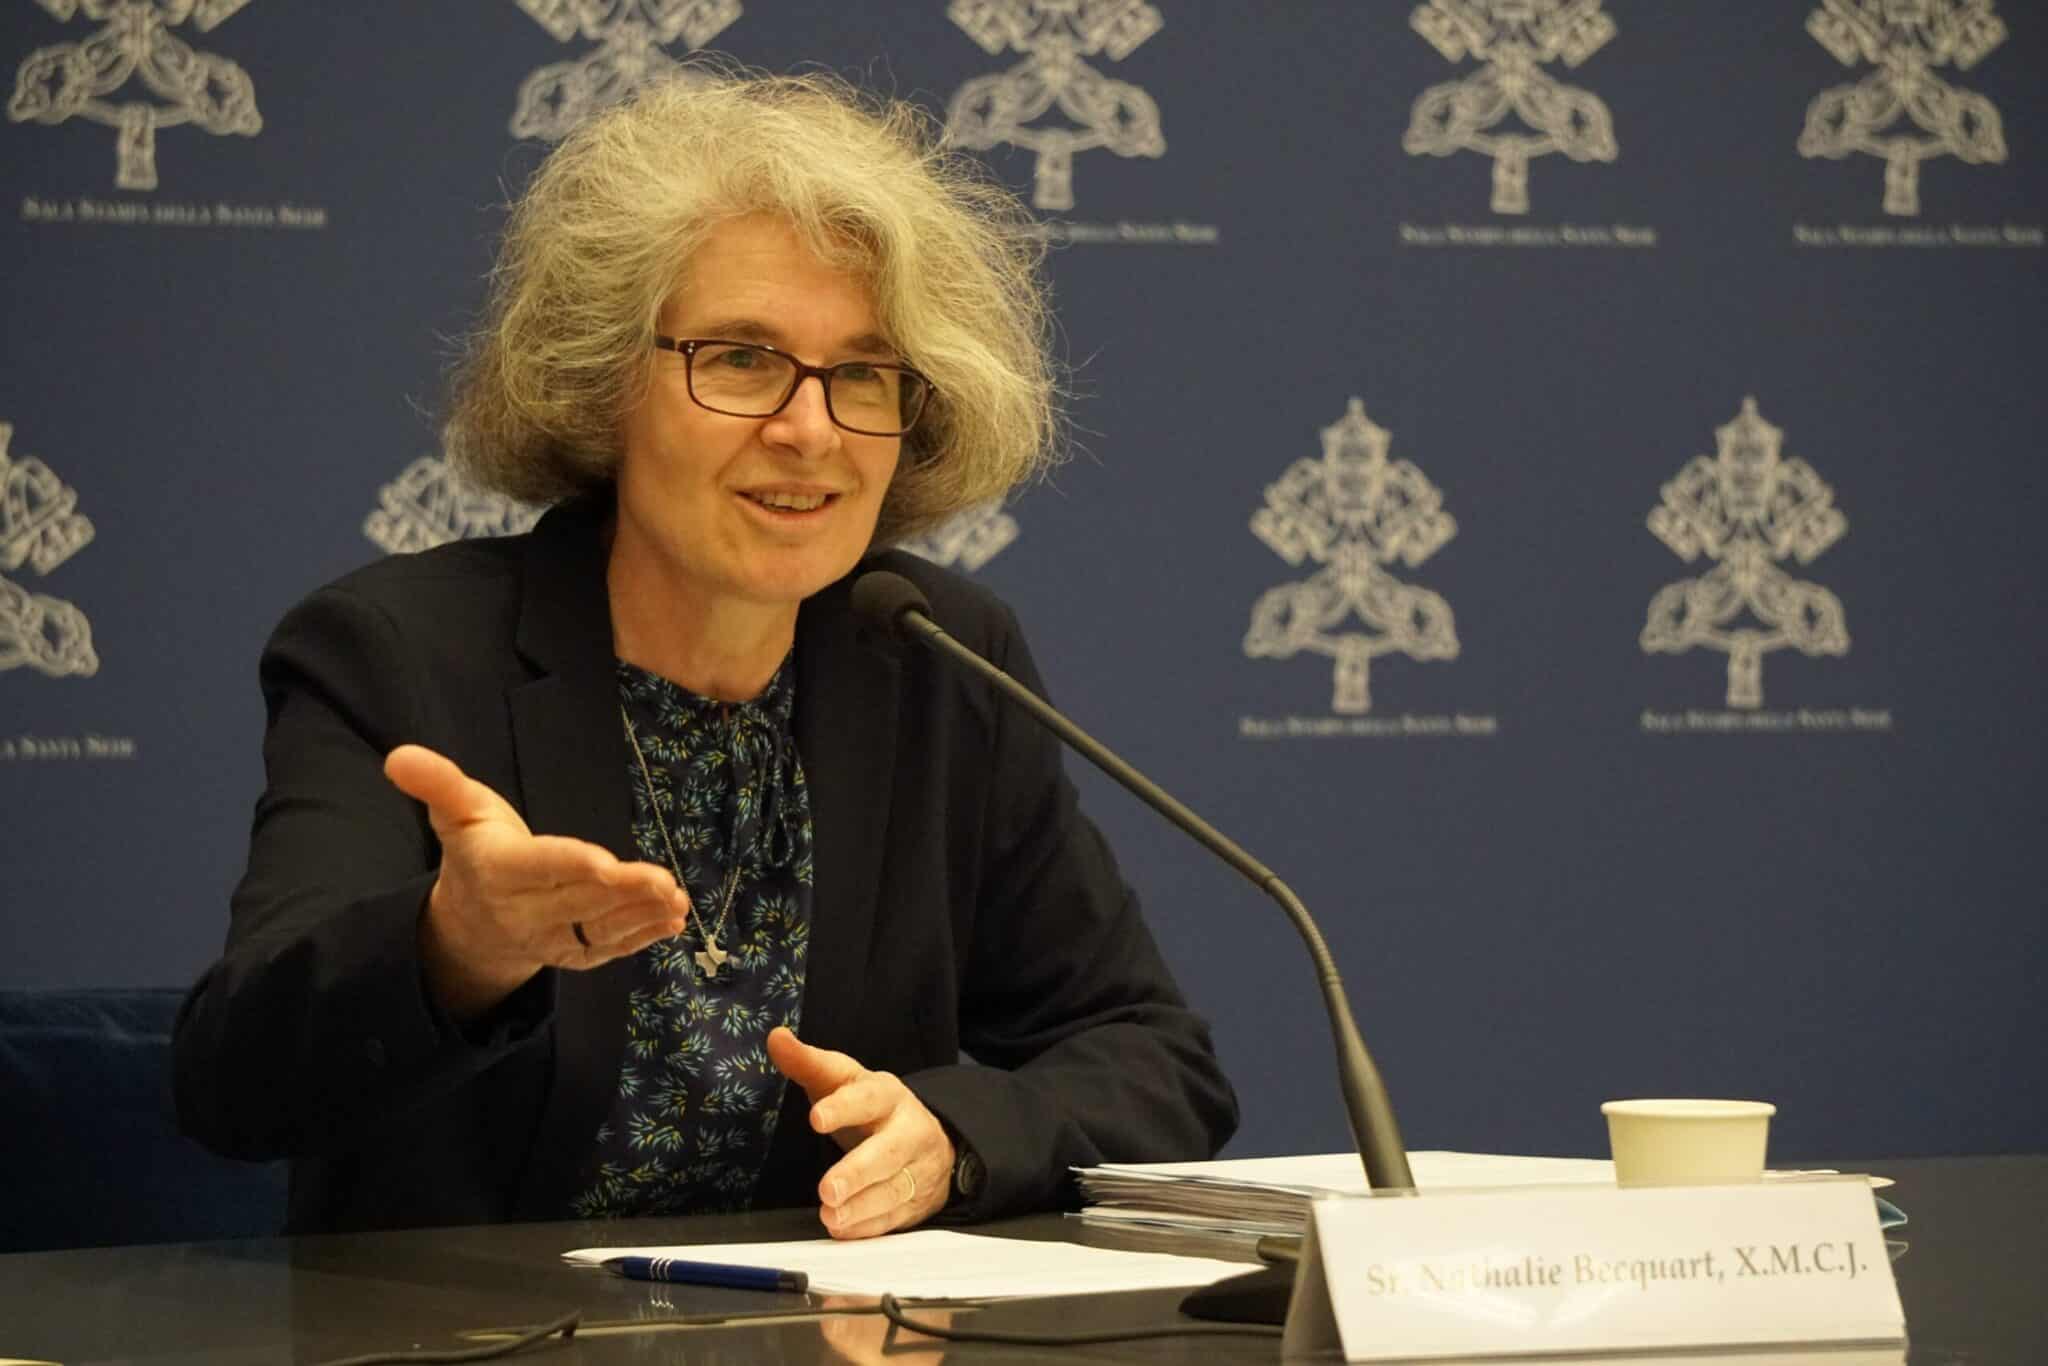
point(711, 958)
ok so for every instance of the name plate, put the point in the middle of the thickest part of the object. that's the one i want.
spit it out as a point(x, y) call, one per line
point(1594, 1269)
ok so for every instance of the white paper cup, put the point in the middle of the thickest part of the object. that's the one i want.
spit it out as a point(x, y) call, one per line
point(1688, 1142)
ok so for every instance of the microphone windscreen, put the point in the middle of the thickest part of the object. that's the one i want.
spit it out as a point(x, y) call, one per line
point(882, 598)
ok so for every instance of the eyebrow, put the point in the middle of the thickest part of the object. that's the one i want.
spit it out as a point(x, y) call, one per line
point(754, 330)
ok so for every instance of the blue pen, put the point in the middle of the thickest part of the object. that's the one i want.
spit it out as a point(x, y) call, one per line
point(706, 1273)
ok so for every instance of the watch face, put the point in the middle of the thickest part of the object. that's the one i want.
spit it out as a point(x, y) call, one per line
point(967, 1176)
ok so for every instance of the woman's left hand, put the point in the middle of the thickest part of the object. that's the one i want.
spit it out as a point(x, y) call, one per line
point(898, 1168)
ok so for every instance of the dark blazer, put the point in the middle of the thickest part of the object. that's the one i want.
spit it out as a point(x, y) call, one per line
point(962, 902)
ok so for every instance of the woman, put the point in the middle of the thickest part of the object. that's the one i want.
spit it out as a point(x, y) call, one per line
point(566, 833)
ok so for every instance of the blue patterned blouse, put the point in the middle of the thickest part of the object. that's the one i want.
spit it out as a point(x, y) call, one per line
point(697, 1097)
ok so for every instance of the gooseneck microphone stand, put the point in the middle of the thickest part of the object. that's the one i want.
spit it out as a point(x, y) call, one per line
point(894, 603)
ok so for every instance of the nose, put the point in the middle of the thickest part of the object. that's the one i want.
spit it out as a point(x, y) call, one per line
point(805, 423)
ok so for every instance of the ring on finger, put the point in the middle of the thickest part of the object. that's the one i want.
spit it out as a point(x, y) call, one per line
point(910, 1176)
point(576, 928)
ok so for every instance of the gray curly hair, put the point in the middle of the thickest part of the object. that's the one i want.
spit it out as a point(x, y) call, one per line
point(604, 232)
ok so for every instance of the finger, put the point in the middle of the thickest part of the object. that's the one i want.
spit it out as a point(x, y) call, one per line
point(547, 891)
point(649, 880)
point(578, 930)
point(907, 1136)
point(871, 1165)
point(632, 927)
point(909, 1194)
point(820, 1071)
point(870, 1203)
point(584, 923)
point(869, 1228)
point(567, 946)
point(555, 862)
point(907, 1145)
point(653, 933)
point(862, 1104)
point(453, 799)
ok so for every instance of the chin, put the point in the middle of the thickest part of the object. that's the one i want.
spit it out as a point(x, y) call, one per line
point(794, 582)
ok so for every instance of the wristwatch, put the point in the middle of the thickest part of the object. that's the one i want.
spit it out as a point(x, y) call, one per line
point(969, 1175)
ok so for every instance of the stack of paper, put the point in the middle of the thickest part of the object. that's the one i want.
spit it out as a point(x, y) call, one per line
point(1271, 1195)
point(1261, 1196)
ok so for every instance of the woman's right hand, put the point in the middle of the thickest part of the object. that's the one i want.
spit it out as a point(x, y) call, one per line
point(509, 902)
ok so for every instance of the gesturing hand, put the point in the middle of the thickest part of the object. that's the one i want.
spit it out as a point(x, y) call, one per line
point(509, 902)
point(898, 1167)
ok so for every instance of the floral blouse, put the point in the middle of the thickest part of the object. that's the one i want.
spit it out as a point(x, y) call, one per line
point(697, 1098)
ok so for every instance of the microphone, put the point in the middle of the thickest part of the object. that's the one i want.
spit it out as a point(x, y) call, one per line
point(897, 605)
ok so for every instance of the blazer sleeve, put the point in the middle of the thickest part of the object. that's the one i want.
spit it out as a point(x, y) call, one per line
point(1091, 1054)
point(315, 1026)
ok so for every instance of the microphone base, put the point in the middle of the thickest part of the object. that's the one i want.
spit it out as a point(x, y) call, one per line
point(1258, 1296)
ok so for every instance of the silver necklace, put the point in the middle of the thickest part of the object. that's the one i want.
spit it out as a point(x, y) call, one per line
point(711, 957)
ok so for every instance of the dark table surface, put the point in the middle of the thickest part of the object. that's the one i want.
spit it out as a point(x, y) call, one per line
point(1971, 1276)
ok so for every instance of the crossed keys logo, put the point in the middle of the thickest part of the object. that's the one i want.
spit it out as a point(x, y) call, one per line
point(1054, 35)
point(429, 504)
point(1352, 512)
point(40, 526)
point(1512, 39)
point(1905, 40)
point(73, 80)
point(1747, 507)
point(630, 35)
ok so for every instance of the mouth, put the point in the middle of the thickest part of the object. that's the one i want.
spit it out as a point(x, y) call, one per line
point(789, 503)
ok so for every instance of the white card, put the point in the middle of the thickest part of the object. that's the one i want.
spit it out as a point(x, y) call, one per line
point(1573, 1270)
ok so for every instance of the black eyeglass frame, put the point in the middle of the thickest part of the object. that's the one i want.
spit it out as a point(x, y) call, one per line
point(687, 347)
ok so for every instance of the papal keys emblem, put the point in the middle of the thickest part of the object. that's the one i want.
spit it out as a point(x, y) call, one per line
point(40, 528)
point(1511, 109)
point(1087, 109)
point(632, 38)
point(1903, 113)
point(1353, 512)
point(1747, 508)
point(134, 47)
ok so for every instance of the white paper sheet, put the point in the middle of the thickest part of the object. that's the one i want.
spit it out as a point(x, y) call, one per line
point(939, 1263)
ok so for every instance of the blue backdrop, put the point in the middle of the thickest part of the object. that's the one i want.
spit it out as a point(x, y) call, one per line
point(1559, 480)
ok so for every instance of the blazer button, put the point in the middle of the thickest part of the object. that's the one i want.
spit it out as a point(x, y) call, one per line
point(373, 1052)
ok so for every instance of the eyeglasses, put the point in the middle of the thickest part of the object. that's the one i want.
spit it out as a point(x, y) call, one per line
point(743, 379)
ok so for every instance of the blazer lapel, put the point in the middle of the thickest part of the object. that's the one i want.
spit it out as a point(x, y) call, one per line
point(846, 704)
point(571, 756)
